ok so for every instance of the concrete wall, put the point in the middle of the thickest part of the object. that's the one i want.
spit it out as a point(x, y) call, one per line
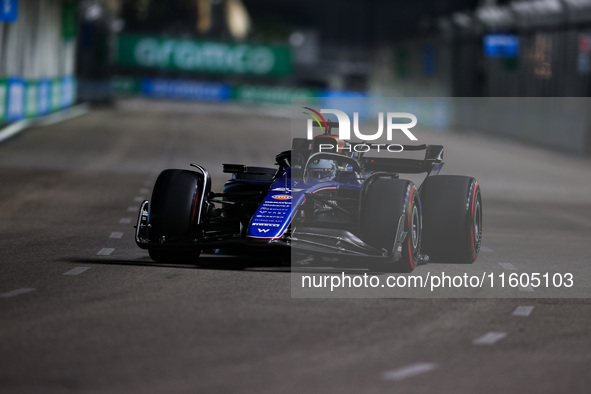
point(37, 57)
point(562, 123)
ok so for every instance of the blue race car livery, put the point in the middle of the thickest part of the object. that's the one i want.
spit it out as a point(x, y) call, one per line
point(340, 203)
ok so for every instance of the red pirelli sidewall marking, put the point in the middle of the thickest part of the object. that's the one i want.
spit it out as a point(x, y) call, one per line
point(195, 206)
point(410, 202)
point(472, 235)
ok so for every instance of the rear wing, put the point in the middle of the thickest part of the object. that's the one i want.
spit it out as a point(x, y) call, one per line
point(431, 163)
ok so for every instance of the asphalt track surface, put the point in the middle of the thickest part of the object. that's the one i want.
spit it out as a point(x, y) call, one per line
point(82, 309)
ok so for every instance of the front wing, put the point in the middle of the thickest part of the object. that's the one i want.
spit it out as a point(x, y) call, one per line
point(306, 240)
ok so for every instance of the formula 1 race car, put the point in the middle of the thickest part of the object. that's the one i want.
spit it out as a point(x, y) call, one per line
point(336, 202)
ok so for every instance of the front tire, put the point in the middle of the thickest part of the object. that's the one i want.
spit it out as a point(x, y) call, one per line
point(452, 218)
point(174, 212)
point(384, 203)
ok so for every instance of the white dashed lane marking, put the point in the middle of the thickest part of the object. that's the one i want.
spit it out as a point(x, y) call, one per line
point(77, 271)
point(408, 371)
point(116, 234)
point(490, 338)
point(143, 191)
point(138, 199)
point(105, 251)
point(133, 209)
point(508, 266)
point(124, 220)
point(528, 288)
point(523, 310)
point(14, 293)
point(486, 249)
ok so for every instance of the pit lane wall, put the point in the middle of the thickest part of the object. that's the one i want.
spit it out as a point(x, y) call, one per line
point(559, 123)
point(37, 52)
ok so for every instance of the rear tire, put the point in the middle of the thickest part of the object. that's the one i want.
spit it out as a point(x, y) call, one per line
point(174, 213)
point(452, 218)
point(383, 202)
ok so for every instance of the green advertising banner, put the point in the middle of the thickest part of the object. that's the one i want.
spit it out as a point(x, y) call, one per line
point(125, 85)
point(270, 95)
point(32, 98)
point(186, 55)
point(2, 100)
point(69, 22)
point(56, 94)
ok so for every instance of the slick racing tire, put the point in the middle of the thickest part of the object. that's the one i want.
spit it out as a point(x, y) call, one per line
point(383, 202)
point(452, 218)
point(173, 213)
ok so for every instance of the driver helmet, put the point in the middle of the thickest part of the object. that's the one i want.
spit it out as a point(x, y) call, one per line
point(321, 169)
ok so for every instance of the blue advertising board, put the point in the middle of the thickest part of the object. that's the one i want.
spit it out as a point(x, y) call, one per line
point(67, 91)
point(185, 89)
point(8, 10)
point(501, 45)
point(3, 97)
point(429, 57)
point(43, 96)
point(15, 105)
